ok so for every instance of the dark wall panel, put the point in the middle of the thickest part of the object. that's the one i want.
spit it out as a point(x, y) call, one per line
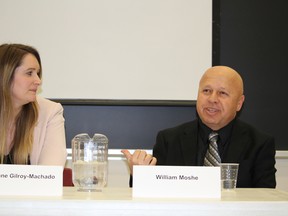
point(132, 127)
point(254, 41)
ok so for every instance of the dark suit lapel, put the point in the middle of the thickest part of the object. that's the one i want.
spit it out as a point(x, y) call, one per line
point(189, 143)
point(238, 143)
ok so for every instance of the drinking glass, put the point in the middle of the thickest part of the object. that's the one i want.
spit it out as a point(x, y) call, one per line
point(229, 173)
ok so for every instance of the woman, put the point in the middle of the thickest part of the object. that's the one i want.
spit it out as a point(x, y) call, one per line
point(31, 127)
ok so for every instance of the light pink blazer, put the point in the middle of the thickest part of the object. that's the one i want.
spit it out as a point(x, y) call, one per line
point(49, 146)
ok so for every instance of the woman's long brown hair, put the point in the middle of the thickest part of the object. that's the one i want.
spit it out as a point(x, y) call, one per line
point(11, 56)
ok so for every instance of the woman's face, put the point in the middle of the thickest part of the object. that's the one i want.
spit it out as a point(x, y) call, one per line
point(26, 81)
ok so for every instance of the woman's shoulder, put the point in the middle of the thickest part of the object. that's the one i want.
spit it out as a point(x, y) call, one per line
point(46, 105)
point(41, 100)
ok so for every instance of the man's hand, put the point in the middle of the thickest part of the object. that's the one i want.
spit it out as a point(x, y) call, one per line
point(139, 157)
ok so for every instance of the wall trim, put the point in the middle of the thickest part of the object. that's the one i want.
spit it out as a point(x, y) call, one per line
point(115, 154)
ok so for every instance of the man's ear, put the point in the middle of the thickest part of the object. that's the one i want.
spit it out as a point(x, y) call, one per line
point(240, 102)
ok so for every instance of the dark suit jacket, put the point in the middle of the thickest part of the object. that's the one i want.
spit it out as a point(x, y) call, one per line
point(253, 150)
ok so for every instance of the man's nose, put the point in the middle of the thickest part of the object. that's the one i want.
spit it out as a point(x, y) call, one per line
point(213, 97)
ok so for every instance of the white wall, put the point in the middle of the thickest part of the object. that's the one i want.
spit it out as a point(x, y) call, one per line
point(119, 172)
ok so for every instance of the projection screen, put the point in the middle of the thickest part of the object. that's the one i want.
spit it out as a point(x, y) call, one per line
point(114, 49)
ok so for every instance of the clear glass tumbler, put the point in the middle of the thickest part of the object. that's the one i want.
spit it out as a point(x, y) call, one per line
point(229, 174)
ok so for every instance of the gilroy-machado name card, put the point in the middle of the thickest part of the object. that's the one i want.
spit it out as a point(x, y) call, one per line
point(176, 182)
point(31, 180)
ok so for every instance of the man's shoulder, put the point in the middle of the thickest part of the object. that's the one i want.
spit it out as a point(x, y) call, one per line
point(250, 129)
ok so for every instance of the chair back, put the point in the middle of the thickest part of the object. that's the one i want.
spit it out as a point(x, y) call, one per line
point(67, 177)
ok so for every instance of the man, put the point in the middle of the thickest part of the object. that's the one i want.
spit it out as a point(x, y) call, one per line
point(220, 97)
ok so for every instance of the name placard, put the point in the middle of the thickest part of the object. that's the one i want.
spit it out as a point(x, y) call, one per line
point(31, 180)
point(176, 182)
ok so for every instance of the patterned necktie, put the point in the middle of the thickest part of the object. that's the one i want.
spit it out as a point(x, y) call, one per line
point(212, 157)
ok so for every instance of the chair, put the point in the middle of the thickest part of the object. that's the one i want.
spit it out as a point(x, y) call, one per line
point(67, 177)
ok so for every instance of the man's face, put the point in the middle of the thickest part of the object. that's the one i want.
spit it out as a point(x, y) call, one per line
point(219, 98)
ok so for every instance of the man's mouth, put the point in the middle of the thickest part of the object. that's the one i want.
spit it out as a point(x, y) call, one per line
point(211, 110)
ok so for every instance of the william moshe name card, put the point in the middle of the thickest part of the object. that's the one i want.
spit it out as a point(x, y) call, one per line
point(176, 182)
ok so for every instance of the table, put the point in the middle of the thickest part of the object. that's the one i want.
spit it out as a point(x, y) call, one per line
point(119, 201)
